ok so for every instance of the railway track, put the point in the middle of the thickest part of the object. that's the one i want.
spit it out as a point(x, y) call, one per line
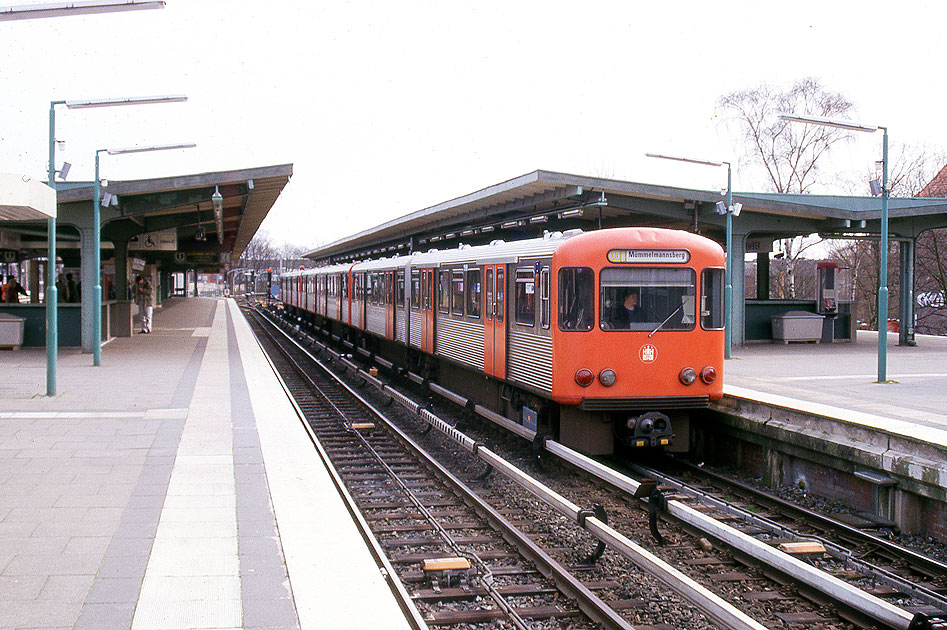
point(773, 600)
point(462, 562)
point(860, 556)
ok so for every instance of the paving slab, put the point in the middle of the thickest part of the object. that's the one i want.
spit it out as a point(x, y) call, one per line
point(139, 496)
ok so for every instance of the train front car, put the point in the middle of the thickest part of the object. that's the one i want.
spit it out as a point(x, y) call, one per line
point(639, 336)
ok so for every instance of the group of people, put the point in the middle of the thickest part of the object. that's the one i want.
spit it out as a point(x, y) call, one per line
point(67, 290)
point(11, 290)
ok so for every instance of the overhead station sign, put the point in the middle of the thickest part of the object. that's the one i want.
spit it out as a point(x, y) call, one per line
point(162, 241)
point(648, 256)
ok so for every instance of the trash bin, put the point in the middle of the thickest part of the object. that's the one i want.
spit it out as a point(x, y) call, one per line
point(797, 326)
point(11, 331)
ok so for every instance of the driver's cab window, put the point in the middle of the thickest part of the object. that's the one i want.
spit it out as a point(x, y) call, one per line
point(648, 299)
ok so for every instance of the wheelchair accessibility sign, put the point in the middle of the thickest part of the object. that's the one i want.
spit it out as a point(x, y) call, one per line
point(165, 241)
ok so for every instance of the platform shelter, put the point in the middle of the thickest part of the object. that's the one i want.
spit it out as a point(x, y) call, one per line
point(157, 227)
point(526, 206)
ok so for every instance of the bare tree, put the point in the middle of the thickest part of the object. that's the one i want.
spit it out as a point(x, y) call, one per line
point(912, 167)
point(789, 153)
point(259, 253)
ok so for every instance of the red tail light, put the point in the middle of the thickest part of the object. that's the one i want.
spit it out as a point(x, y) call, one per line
point(708, 374)
point(584, 377)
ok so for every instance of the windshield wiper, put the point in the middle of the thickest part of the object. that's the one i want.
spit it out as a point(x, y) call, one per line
point(651, 334)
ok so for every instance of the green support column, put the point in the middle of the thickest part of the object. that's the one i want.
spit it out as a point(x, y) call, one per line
point(762, 276)
point(738, 312)
point(87, 277)
point(121, 268)
point(908, 250)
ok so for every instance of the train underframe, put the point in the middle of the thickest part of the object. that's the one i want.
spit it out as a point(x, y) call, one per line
point(591, 432)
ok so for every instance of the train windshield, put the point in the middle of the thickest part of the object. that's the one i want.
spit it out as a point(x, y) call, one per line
point(651, 299)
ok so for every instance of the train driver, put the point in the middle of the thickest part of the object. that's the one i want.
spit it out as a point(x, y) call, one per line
point(629, 311)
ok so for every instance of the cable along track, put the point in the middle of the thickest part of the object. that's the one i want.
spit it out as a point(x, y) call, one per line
point(461, 561)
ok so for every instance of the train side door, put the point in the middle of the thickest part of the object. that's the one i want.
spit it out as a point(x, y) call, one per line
point(390, 304)
point(427, 311)
point(494, 329)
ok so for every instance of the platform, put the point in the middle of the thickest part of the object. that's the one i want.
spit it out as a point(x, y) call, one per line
point(172, 487)
point(840, 380)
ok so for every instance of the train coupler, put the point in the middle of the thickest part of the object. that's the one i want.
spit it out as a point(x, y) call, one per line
point(651, 429)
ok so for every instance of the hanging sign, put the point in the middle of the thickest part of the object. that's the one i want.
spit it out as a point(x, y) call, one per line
point(163, 241)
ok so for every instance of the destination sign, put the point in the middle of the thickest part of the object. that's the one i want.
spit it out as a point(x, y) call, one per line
point(638, 256)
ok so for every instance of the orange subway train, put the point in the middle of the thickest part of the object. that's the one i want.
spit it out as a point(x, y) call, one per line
point(600, 339)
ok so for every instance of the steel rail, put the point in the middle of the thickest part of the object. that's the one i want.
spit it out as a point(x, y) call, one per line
point(587, 601)
point(848, 595)
point(930, 565)
point(835, 550)
point(485, 577)
point(711, 604)
point(413, 616)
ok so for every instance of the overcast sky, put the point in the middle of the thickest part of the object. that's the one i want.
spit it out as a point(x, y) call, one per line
point(385, 108)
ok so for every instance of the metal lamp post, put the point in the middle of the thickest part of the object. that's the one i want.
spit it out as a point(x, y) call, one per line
point(96, 240)
point(29, 12)
point(729, 211)
point(883, 254)
point(52, 298)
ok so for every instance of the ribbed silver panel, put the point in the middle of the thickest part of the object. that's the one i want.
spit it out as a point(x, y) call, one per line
point(529, 359)
point(345, 311)
point(414, 329)
point(399, 326)
point(356, 314)
point(375, 319)
point(332, 308)
point(461, 341)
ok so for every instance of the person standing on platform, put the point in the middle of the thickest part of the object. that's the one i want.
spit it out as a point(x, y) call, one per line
point(62, 291)
point(71, 289)
point(14, 290)
point(143, 295)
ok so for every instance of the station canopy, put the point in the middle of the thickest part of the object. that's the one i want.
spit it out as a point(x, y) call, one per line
point(528, 205)
point(200, 221)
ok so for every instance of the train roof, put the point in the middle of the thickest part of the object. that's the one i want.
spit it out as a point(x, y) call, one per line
point(500, 252)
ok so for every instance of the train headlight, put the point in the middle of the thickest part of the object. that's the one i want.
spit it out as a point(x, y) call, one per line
point(688, 376)
point(607, 377)
point(584, 377)
point(708, 374)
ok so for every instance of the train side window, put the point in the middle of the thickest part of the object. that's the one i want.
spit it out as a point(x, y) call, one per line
point(399, 297)
point(501, 294)
point(525, 297)
point(457, 293)
point(711, 299)
point(473, 292)
point(544, 313)
point(489, 287)
point(415, 289)
point(576, 298)
point(345, 286)
point(389, 288)
point(443, 291)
